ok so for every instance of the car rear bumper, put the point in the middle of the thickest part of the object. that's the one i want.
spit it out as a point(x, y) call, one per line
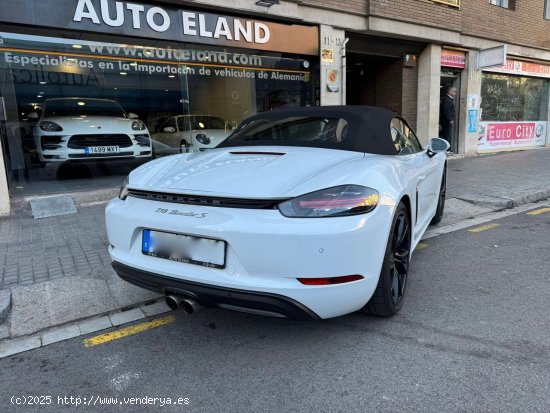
point(266, 252)
point(215, 296)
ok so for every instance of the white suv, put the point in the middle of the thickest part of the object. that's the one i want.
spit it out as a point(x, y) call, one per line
point(77, 129)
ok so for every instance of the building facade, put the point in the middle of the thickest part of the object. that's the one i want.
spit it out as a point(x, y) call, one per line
point(176, 66)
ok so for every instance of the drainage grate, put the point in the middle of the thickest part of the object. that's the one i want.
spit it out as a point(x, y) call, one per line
point(52, 206)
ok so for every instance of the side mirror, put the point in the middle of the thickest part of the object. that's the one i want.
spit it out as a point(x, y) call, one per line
point(437, 145)
point(169, 129)
point(132, 116)
point(32, 115)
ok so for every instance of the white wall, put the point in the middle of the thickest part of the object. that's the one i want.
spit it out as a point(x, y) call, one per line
point(471, 85)
point(429, 80)
point(332, 39)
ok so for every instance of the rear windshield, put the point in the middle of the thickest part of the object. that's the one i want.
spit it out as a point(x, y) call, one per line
point(303, 131)
point(79, 107)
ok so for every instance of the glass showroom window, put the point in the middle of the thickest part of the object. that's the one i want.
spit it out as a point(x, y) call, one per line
point(82, 109)
point(514, 98)
point(514, 111)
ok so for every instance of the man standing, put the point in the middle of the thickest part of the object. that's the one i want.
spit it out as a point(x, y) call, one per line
point(447, 113)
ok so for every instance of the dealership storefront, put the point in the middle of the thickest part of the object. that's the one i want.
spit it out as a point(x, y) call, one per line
point(68, 73)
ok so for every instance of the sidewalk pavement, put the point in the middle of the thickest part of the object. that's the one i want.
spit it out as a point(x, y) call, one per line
point(58, 270)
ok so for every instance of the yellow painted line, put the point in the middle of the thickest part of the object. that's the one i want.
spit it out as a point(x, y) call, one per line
point(484, 227)
point(539, 211)
point(421, 246)
point(128, 331)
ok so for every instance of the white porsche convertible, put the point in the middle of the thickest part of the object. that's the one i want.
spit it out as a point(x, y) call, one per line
point(305, 213)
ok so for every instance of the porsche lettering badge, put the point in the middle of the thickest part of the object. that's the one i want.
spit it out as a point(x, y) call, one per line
point(181, 213)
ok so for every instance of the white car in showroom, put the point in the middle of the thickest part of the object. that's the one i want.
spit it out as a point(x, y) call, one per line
point(304, 213)
point(190, 133)
point(87, 129)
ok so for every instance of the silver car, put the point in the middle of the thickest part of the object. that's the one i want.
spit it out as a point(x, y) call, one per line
point(190, 133)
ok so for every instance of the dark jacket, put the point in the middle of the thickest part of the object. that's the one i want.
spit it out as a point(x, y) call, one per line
point(447, 110)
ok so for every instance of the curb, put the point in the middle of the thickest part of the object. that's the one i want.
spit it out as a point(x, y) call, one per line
point(534, 196)
point(507, 202)
point(82, 327)
point(5, 305)
point(479, 220)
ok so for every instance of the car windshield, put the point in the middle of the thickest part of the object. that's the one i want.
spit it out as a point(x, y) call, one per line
point(80, 107)
point(298, 130)
point(187, 123)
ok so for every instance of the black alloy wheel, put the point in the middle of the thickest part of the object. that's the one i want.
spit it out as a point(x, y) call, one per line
point(441, 200)
point(399, 260)
point(388, 297)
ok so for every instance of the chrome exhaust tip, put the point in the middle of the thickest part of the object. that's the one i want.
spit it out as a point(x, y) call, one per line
point(189, 306)
point(172, 302)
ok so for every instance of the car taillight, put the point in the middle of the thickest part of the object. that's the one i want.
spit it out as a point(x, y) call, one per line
point(330, 280)
point(331, 202)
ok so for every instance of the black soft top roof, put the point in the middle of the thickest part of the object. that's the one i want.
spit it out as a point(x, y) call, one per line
point(368, 128)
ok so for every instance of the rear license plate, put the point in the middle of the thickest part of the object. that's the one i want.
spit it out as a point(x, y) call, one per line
point(184, 248)
point(101, 149)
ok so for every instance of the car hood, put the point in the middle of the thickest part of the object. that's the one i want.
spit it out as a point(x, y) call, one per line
point(93, 124)
point(252, 172)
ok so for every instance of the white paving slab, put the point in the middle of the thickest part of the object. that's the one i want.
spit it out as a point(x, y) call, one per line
point(94, 324)
point(126, 316)
point(59, 334)
point(10, 347)
point(155, 309)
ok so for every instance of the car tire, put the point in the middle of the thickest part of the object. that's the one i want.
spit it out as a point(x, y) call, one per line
point(184, 147)
point(388, 297)
point(441, 201)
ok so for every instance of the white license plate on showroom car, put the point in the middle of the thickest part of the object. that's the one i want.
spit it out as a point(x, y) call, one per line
point(101, 149)
point(187, 249)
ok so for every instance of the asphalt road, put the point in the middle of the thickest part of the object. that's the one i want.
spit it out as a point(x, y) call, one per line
point(473, 337)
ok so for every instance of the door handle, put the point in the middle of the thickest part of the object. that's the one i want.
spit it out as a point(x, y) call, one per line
point(421, 178)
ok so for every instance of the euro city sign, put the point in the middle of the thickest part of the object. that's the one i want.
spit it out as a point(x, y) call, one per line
point(495, 56)
point(128, 18)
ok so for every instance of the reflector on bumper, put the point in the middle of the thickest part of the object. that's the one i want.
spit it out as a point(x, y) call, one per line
point(330, 280)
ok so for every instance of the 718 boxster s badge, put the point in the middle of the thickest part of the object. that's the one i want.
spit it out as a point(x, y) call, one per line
point(305, 213)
